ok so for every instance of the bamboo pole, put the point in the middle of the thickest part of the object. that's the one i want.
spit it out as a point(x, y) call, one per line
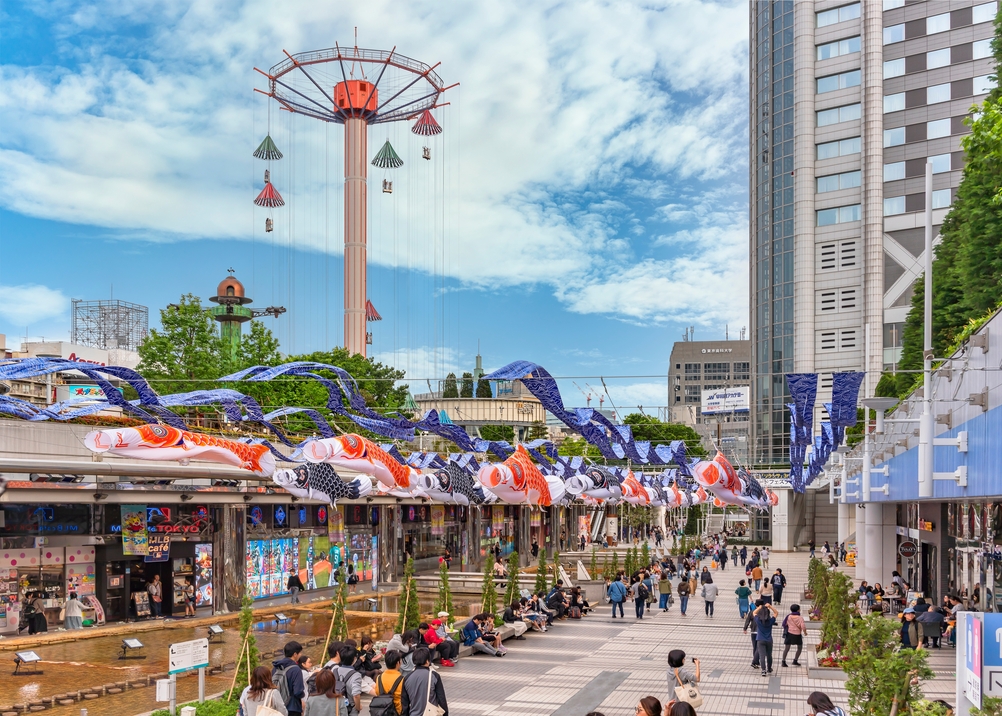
point(236, 668)
point(330, 631)
point(895, 703)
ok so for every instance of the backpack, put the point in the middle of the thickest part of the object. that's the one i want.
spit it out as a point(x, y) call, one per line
point(383, 704)
point(278, 678)
point(642, 591)
point(574, 612)
point(341, 684)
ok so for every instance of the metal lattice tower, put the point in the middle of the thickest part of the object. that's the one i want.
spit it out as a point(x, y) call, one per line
point(109, 324)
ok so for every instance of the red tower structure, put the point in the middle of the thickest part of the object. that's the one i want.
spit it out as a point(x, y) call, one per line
point(356, 88)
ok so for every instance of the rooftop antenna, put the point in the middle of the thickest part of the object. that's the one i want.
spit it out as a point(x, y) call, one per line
point(727, 336)
point(743, 332)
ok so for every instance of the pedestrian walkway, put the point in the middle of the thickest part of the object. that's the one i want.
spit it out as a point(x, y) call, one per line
point(606, 664)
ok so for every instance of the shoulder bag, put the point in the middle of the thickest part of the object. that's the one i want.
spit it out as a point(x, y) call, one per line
point(431, 709)
point(266, 708)
point(689, 693)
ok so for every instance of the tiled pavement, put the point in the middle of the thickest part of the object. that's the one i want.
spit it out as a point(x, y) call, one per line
point(609, 664)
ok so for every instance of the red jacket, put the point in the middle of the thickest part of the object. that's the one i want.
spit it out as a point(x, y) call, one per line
point(431, 638)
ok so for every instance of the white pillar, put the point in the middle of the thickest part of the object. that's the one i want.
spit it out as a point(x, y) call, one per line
point(873, 570)
point(860, 541)
point(843, 522)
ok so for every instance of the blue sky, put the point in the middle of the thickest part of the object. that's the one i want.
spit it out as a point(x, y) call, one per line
point(587, 201)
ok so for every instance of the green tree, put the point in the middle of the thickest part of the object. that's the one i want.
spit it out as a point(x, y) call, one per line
point(615, 564)
point(645, 555)
point(593, 566)
point(575, 447)
point(450, 390)
point(489, 598)
point(249, 657)
point(967, 271)
point(629, 565)
point(837, 610)
point(410, 614)
point(466, 387)
point(484, 389)
point(880, 673)
point(556, 568)
point(257, 347)
point(692, 516)
point(990, 706)
point(339, 603)
point(659, 432)
point(541, 569)
point(186, 353)
point(538, 431)
point(511, 591)
point(444, 601)
point(497, 432)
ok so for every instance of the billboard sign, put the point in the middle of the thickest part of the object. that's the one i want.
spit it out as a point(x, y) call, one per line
point(726, 400)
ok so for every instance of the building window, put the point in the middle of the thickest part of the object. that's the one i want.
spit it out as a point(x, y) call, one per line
point(894, 68)
point(838, 114)
point(937, 93)
point(839, 14)
point(838, 215)
point(892, 4)
point(937, 58)
point(941, 163)
point(838, 48)
point(894, 205)
point(839, 81)
point(894, 102)
point(893, 172)
point(742, 371)
point(984, 13)
point(894, 137)
point(983, 84)
point(717, 371)
point(894, 33)
point(693, 393)
point(982, 48)
point(937, 23)
point(692, 371)
point(834, 182)
point(841, 148)
point(937, 128)
point(941, 199)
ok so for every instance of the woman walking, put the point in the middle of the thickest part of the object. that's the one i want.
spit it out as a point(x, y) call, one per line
point(709, 596)
point(73, 616)
point(793, 633)
point(743, 593)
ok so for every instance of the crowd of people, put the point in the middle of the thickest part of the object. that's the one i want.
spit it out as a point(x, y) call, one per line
point(403, 681)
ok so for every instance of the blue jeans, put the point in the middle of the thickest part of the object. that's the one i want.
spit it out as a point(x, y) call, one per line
point(683, 602)
point(663, 602)
point(742, 606)
point(620, 605)
point(639, 603)
point(758, 584)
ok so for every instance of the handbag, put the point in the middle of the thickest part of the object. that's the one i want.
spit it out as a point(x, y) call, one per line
point(689, 693)
point(431, 709)
point(265, 709)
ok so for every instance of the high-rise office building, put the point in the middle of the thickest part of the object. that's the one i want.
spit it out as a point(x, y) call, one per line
point(848, 103)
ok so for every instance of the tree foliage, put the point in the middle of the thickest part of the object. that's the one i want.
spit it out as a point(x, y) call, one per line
point(497, 432)
point(578, 447)
point(879, 671)
point(444, 601)
point(967, 271)
point(489, 598)
point(484, 389)
point(658, 432)
point(450, 389)
point(410, 614)
point(540, 585)
point(186, 353)
point(466, 386)
point(339, 603)
point(511, 592)
point(250, 657)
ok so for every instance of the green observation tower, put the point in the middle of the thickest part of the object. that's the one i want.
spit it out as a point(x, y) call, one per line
point(232, 311)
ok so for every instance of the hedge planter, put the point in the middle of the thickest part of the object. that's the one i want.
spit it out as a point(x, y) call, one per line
point(814, 625)
point(815, 671)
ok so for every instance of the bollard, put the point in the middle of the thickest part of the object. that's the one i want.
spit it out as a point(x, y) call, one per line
point(188, 711)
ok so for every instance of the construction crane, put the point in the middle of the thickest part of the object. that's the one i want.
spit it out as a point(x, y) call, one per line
point(601, 396)
point(586, 395)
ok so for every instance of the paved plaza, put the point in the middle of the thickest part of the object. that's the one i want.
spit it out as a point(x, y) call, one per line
point(606, 664)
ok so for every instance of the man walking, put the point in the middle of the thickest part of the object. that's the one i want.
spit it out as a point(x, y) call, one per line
point(295, 586)
point(422, 686)
point(765, 557)
point(778, 584)
point(744, 555)
point(756, 575)
point(810, 544)
point(156, 592)
point(684, 590)
point(288, 678)
point(617, 595)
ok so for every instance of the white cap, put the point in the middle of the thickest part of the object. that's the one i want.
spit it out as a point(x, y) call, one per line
point(443, 614)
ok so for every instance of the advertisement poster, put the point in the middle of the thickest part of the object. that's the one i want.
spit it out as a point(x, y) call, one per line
point(360, 555)
point(535, 518)
point(135, 538)
point(335, 524)
point(973, 646)
point(438, 519)
point(158, 547)
point(203, 575)
point(269, 564)
point(584, 527)
point(375, 563)
point(497, 520)
point(81, 578)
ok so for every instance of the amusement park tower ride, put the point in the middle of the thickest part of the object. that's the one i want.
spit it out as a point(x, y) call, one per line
point(357, 88)
point(232, 311)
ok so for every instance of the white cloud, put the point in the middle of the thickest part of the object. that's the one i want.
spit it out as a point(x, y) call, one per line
point(29, 304)
point(421, 364)
point(556, 99)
